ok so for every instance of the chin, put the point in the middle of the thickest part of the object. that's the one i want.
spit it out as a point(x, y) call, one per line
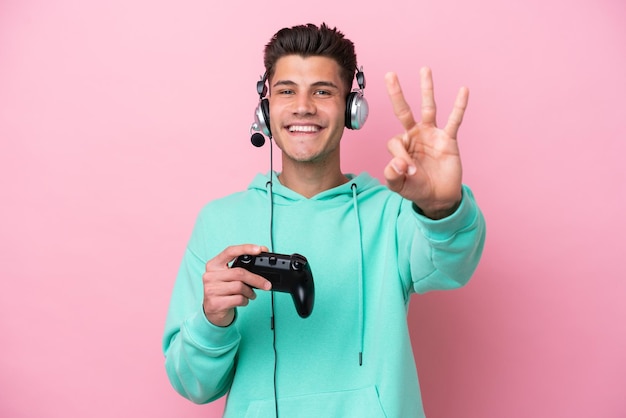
point(304, 159)
point(298, 152)
point(302, 156)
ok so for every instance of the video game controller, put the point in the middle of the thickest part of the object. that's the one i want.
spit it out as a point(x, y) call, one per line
point(287, 273)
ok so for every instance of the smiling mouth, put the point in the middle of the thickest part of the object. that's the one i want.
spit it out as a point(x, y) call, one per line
point(303, 128)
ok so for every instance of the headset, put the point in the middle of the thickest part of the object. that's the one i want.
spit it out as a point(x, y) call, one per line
point(357, 109)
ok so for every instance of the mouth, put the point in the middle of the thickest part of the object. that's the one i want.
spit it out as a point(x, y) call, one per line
point(303, 128)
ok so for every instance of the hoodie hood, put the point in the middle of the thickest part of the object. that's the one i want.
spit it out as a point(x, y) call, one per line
point(339, 194)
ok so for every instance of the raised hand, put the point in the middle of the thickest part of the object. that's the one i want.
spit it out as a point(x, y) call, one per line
point(426, 164)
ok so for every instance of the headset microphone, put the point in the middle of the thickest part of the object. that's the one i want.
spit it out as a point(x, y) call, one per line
point(257, 140)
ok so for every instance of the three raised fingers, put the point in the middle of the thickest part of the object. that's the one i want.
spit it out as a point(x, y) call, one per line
point(403, 112)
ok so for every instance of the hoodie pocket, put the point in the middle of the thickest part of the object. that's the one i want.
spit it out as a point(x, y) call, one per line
point(362, 403)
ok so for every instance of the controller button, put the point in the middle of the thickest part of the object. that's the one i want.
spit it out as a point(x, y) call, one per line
point(272, 260)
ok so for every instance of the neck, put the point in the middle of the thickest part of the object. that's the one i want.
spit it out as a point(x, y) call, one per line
point(310, 179)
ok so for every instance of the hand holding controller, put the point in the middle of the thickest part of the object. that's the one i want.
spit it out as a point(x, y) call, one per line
point(287, 273)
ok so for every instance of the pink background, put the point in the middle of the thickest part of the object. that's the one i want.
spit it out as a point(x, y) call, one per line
point(120, 119)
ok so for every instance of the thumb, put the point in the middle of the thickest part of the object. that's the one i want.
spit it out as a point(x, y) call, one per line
point(395, 173)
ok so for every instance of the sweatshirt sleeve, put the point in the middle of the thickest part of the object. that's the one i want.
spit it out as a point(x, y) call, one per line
point(440, 254)
point(199, 356)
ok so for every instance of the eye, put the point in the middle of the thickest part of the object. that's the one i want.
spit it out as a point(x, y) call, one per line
point(285, 92)
point(322, 93)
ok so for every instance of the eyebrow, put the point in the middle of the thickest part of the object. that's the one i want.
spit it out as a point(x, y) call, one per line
point(316, 84)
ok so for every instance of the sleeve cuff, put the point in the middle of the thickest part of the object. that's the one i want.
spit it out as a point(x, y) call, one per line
point(443, 229)
point(211, 336)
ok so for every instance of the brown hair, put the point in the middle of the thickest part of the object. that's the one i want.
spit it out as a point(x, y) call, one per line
point(309, 40)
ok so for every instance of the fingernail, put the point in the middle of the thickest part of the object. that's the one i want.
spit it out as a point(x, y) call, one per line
point(395, 167)
point(412, 170)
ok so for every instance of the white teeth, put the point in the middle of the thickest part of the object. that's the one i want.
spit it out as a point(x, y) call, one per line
point(299, 128)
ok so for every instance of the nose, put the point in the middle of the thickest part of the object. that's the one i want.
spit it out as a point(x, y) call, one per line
point(304, 105)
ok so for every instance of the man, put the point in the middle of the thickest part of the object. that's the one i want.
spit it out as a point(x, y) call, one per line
point(369, 247)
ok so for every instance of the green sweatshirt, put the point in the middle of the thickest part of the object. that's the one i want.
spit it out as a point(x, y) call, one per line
point(369, 250)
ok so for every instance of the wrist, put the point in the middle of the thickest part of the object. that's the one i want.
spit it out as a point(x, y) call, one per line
point(222, 319)
point(437, 212)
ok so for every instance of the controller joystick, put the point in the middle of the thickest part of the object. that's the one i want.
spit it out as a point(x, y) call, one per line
point(287, 273)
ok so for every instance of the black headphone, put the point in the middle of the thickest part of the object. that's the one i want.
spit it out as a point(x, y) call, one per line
point(357, 109)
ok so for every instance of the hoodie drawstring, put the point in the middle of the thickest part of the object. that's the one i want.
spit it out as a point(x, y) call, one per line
point(360, 294)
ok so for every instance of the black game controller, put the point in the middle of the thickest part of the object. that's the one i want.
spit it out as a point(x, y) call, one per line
point(287, 273)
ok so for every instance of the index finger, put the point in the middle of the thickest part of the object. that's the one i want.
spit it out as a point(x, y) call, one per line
point(401, 108)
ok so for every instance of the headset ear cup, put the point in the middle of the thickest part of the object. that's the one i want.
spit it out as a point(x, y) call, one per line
point(357, 110)
point(348, 115)
point(265, 109)
point(262, 117)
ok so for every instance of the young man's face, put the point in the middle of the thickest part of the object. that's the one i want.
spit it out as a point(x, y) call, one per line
point(307, 108)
